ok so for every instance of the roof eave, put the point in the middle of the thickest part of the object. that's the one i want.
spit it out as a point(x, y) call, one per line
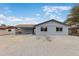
point(49, 21)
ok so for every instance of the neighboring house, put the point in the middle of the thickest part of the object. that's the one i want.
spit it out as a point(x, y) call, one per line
point(74, 29)
point(7, 30)
point(51, 27)
point(24, 29)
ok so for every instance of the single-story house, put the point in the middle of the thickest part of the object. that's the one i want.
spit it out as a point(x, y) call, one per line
point(24, 29)
point(7, 30)
point(74, 29)
point(51, 27)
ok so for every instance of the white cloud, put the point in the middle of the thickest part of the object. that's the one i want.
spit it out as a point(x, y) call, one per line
point(38, 15)
point(56, 8)
point(5, 10)
point(56, 17)
point(30, 20)
point(12, 19)
point(2, 16)
point(1, 21)
point(54, 12)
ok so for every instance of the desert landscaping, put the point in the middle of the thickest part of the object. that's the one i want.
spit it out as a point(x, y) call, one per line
point(31, 45)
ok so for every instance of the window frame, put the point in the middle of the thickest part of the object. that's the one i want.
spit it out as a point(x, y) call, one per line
point(43, 29)
point(59, 29)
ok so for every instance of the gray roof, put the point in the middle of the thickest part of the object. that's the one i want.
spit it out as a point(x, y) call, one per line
point(50, 21)
point(24, 25)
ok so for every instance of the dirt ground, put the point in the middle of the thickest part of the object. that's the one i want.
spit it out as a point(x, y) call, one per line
point(29, 45)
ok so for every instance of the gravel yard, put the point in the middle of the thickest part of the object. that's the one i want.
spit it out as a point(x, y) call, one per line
point(29, 45)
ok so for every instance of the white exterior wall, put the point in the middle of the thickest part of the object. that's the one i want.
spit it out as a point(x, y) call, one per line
point(11, 32)
point(51, 29)
point(4, 32)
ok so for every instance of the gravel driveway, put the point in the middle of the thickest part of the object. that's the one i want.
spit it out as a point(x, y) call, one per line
point(29, 45)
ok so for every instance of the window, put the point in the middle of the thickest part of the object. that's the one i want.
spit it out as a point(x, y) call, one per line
point(9, 30)
point(44, 29)
point(59, 29)
point(41, 28)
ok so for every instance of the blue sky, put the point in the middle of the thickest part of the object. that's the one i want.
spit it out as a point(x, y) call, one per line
point(33, 13)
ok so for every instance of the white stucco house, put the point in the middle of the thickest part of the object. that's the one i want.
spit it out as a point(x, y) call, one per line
point(51, 27)
point(6, 30)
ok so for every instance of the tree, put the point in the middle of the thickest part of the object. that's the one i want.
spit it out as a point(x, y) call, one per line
point(3, 25)
point(73, 16)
